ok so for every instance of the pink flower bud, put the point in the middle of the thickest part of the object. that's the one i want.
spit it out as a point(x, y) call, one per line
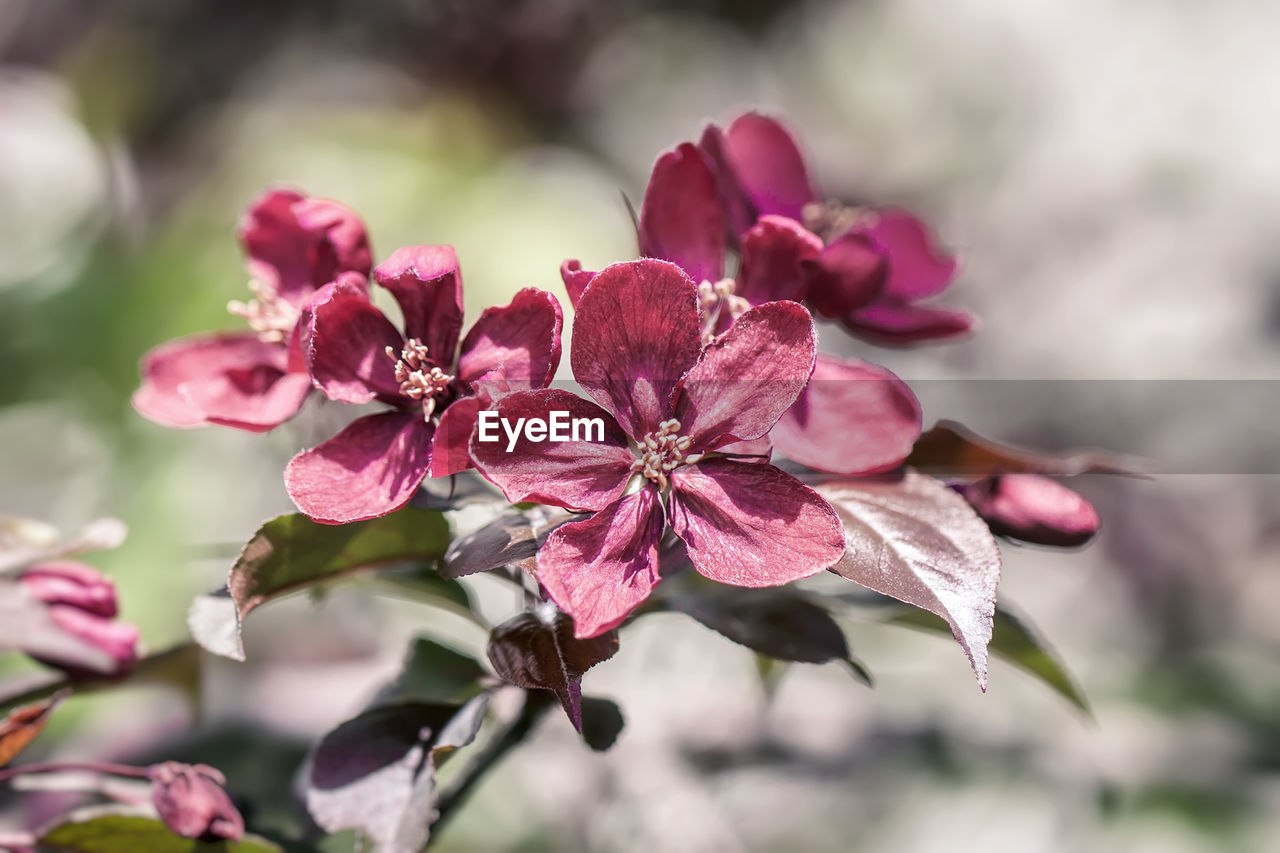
point(81, 602)
point(192, 802)
point(74, 584)
point(1033, 509)
point(118, 639)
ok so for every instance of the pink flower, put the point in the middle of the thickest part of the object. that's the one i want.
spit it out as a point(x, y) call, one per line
point(255, 380)
point(192, 802)
point(667, 405)
point(355, 355)
point(81, 601)
point(1033, 509)
point(869, 269)
point(682, 220)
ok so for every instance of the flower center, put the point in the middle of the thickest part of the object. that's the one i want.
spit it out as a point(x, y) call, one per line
point(271, 316)
point(663, 451)
point(829, 219)
point(716, 299)
point(418, 376)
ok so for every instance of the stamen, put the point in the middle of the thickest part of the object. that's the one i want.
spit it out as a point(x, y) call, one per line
point(272, 317)
point(419, 378)
point(715, 299)
point(663, 451)
point(829, 219)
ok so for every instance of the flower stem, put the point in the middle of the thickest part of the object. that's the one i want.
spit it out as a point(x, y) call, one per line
point(73, 766)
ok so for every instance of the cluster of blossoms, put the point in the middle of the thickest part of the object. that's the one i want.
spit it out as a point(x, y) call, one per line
point(699, 377)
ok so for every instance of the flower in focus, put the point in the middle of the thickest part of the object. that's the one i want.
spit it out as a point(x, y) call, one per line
point(355, 355)
point(81, 602)
point(192, 801)
point(668, 406)
point(1032, 508)
point(255, 379)
point(867, 268)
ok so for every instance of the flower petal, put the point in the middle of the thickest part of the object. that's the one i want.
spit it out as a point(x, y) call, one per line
point(918, 267)
point(747, 377)
point(739, 210)
point(681, 219)
point(583, 474)
point(371, 468)
point(297, 244)
point(897, 324)
point(768, 165)
point(846, 275)
point(427, 283)
point(575, 280)
point(853, 418)
point(522, 338)
point(635, 333)
point(598, 570)
point(1033, 509)
point(344, 341)
point(751, 524)
point(236, 363)
point(773, 252)
point(450, 448)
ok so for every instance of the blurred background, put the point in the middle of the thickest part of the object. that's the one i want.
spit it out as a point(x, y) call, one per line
point(1108, 175)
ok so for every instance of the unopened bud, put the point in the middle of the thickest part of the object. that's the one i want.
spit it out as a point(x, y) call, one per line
point(1033, 509)
point(192, 802)
point(81, 602)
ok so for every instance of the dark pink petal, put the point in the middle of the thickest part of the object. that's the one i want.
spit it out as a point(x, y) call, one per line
point(895, 324)
point(635, 334)
point(747, 377)
point(845, 276)
point(371, 468)
point(450, 447)
point(751, 524)
point(584, 474)
point(681, 219)
point(296, 244)
point(70, 583)
point(119, 640)
point(853, 418)
point(598, 570)
point(345, 342)
point(427, 283)
point(521, 338)
point(773, 254)
point(575, 280)
point(918, 267)
point(739, 209)
point(1033, 509)
point(243, 375)
point(769, 166)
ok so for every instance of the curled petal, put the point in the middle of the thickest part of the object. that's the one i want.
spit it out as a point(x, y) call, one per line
point(846, 275)
point(635, 334)
point(681, 219)
point(344, 342)
point(599, 569)
point(575, 280)
point(297, 244)
point(773, 254)
point(918, 267)
point(747, 377)
point(450, 447)
point(235, 379)
point(767, 163)
point(739, 209)
point(427, 283)
point(522, 339)
point(371, 468)
point(751, 524)
point(897, 324)
point(74, 584)
point(1033, 509)
point(586, 474)
point(119, 640)
point(853, 418)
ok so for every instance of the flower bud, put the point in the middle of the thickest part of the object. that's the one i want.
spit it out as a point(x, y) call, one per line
point(82, 602)
point(192, 802)
point(73, 584)
point(1033, 509)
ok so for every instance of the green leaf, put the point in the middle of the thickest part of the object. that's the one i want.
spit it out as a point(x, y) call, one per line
point(116, 830)
point(293, 552)
point(1012, 640)
point(435, 672)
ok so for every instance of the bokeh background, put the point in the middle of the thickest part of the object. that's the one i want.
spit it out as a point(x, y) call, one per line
point(1109, 176)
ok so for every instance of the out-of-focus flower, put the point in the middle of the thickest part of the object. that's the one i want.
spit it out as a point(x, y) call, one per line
point(682, 221)
point(868, 268)
point(1032, 508)
point(192, 801)
point(667, 404)
point(81, 601)
point(255, 379)
point(355, 355)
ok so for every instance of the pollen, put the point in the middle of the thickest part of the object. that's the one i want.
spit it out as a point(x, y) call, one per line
point(662, 451)
point(829, 219)
point(420, 379)
point(268, 314)
point(716, 299)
